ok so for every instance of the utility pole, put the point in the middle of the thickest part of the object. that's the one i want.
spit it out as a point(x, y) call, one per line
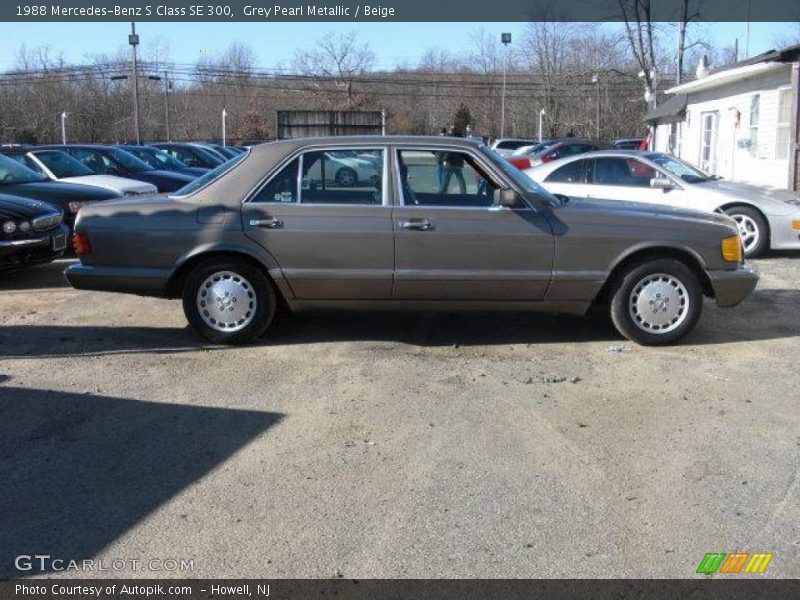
point(64, 128)
point(505, 38)
point(133, 40)
point(166, 103)
point(747, 33)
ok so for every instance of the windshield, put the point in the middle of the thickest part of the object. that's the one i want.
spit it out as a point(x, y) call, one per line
point(128, 161)
point(62, 164)
point(158, 159)
point(211, 155)
point(13, 172)
point(519, 178)
point(204, 180)
point(679, 168)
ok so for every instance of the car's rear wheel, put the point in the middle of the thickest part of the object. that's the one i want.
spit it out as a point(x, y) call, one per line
point(346, 177)
point(656, 302)
point(228, 301)
point(752, 229)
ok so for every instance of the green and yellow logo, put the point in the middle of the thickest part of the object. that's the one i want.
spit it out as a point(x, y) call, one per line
point(720, 562)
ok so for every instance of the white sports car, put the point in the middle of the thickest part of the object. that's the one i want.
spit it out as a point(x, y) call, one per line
point(60, 166)
point(767, 218)
point(347, 168)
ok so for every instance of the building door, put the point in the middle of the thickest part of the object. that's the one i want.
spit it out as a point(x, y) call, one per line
point(708, 142)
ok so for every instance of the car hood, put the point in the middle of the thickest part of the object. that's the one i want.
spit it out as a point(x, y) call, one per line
point(624, 208)
point(56, 191)
point(24, 208)
point(112, 182)
point(770, 200)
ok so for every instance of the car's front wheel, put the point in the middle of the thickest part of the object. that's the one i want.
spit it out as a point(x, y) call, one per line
point(656, 302)
point(228, 301)
point(753, 229)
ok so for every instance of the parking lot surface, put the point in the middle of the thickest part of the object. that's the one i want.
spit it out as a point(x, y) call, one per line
point(386, 445)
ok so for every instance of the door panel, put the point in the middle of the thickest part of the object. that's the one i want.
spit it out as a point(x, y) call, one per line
point(332, 241)
point(452, 243)
point(472, 254)
point(327, 252)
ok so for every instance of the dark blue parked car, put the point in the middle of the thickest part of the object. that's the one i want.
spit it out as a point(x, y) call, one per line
point(109, 160)
point(159, 159)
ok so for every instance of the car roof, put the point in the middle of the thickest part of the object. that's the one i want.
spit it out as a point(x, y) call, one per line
point(82, 146)
point(350, 140)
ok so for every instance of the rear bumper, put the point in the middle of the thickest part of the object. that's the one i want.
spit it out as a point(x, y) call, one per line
point(731, 287)
point(125, 280)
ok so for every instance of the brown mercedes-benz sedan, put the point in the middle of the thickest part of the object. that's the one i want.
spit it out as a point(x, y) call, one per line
point(404, 222)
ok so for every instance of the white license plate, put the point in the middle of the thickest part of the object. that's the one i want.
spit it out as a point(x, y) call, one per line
point(59, 242)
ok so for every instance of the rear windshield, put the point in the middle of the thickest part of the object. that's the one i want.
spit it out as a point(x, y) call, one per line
point(207, 178)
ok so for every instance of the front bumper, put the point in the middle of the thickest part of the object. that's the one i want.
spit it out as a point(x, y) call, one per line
point(731, 287)
point(126, 280)
point(783, 234)
point(43, 248)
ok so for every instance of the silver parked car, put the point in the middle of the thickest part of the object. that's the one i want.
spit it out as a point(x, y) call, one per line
point(767, 218)
point(447, 224)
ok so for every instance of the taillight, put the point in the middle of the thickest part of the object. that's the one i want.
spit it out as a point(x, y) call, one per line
point(81, 245)
point(521, 163)
point(547, 158)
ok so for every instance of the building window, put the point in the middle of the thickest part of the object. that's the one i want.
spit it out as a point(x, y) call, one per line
point(755, 107)
point(783, 129)
point(672, 144)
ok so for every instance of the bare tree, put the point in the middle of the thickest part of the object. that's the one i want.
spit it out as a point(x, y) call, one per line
point(338, 60)
point(641, 32)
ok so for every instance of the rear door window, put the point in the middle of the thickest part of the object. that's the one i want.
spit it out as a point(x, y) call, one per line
point(351, 176)
point(574, 172)
point(335, 176)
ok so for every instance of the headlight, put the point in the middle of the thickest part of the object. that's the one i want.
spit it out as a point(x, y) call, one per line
point(25, 226)
point(75, 206)
point(732, 248)
point(9, 227)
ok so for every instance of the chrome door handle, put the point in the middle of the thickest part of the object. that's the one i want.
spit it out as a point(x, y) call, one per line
point(417, 224)
point(268, 223)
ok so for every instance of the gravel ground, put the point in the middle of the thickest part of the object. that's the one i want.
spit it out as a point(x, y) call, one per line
point(413, 445)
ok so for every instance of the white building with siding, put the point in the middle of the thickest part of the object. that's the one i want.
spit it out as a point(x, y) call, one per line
point(740, 123)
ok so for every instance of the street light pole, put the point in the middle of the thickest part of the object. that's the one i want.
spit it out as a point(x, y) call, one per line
point(224, 115)
point(505, 38)
point(64, 128)
point(541, 120)
point(133, 40)
point(596, 81)
point(166, 103)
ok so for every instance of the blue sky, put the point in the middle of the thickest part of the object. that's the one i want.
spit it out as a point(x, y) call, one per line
point(393, 43)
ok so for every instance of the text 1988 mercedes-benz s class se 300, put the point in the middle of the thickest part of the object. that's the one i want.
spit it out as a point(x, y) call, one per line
point(424, 223)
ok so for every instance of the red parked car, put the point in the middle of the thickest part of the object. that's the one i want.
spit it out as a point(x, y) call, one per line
point(560, 149)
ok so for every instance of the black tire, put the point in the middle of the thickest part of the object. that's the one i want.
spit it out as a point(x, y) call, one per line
point(346, 177)
point(634, 289)
point(750, 218)
point(256, 288)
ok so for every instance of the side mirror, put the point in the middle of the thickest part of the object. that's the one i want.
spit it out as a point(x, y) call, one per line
point(507, 198)
point(661, 183)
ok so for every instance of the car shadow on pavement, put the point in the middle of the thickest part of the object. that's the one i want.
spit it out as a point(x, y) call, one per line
point(768, 314)
point(80, 470)
point(50, 275)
